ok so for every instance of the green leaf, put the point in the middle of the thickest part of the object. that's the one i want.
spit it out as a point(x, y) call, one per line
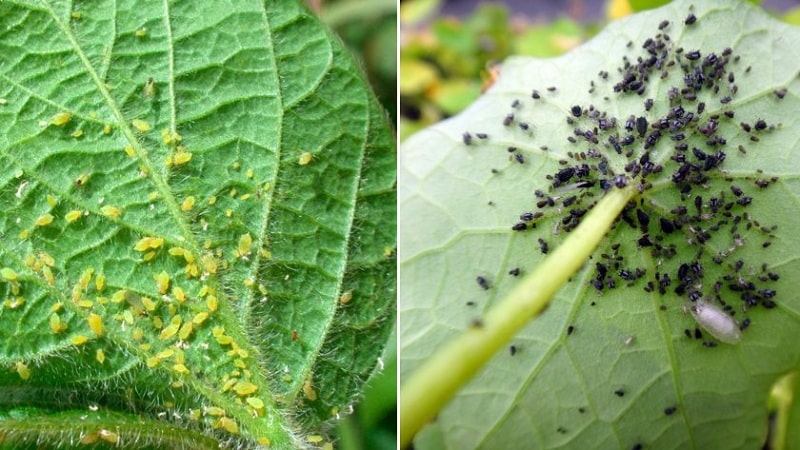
point(189, 191)
point(599, 368)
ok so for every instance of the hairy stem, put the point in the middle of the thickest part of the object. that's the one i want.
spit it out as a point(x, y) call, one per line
point(434, 383)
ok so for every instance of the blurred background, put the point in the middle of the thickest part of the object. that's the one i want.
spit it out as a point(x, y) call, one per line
point(449, 49)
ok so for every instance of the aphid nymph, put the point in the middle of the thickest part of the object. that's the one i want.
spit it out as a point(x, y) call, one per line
point(715, 321)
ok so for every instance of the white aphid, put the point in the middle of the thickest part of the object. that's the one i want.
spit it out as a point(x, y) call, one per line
point(714, 320)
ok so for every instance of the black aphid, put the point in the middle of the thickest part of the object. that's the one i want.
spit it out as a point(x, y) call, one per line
point(536, 94)
point(690, 19)
point(641, 126)
point(663, 24)
point(512, 349)
point(666, 225)
point(619, 393)
point(570, 329)
point(514, 272)
point(693, 55)
point(576, 111)
point(482, 282)
point(508, 119)
point(520, 159)
point(467, 138)
point(780, 93)
point(543, 246)
point(523, 125)
point(648, 104)
point(670, 410)
point(760, 125)
point(551, 88)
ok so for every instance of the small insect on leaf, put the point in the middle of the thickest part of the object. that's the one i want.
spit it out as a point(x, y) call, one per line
point(244, 388)
point(200, 317)
point(56, 326)
point(96, 324)
point(149, 89)
point(100, 356)
point(227, 424)
point(716, 322)
point(185, 331)
point(111, 211)
point(51, 200)
point(61, 118)
point(245, 242)
point(79, 339)
point(305, 158)
point(44, 220)
point(22, 370)
point(141, 126)
point(346, 297)
point(188, 203)
point(212, 303)
point(181, 158)
point(8, 274)
point(81, 180)
point(72, 216)
point(109, 436)
point(162, 281)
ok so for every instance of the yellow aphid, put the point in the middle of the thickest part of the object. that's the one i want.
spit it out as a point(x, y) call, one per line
point(107, 129)
point(223, 339)
point(149, 256)
point(100, 282)
point(228, 212)
point(148, 303)
point(245, 197)
point(8, 274)
point(152, 361)
point(164, 354)
point(46, 259)
point(346, 297)
point(85, 304)
point(48, 276)
point(22, 370)
point(188, 203)
point(192, 271)
point(158, 323)
point(314, 439)
point(250, 173)
point(249, 282)
point(185, 331)
point(308, 390)
point(234, 192)
point(199, 318)
point(180, 368)
point(72, 216)
point(127, 316)
point(77, 133)
point(255, 402)
point(181, 158)
point(262, 289)
point(179, 294)
point(162, 281)
point(243, 388)
point(245, 242)
point(213, 411)
point(141, 32)
point(24, 234)
point(149, 88)
point(86, 277)
point(171, 329)
point(212, 200)
point(81, 180)
point(51, 200)
point(153, 196)
point(111, 211)
point(109, 436)
point(100, 355)
point(137, 334)
point(305, 158)
point(44, 220)
point(204, 290)
point(130, 151)
point(61, 118)
point(56, 326)
point(209, 263)
point(14, 303)
point(266, 187)
point(77, 293)
point(212, 303)
point(79, 339)
point(227, 424)
point(264, 441)
point(141, 125)
point(147, 243)
point(57, 306)
point(96, 324)
point(89, 438)
point(229, 384)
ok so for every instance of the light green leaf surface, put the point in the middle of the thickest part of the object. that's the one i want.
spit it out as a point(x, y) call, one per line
point(267, 170)
point(459, 202)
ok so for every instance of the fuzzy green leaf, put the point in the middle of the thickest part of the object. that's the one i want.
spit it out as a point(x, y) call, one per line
point(189, 189)
point(599, 369)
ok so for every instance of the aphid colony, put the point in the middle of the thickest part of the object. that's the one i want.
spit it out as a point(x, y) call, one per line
point(685, 147)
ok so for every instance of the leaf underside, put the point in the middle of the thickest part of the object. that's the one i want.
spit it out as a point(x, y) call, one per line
point(197, 223)
point(609, 364)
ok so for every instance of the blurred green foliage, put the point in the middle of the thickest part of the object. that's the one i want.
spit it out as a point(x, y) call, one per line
point(446, 62)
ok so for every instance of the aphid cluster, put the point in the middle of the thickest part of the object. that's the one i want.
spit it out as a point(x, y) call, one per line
point(681, 138)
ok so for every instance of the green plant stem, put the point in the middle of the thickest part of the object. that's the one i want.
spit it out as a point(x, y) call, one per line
point(434, 383)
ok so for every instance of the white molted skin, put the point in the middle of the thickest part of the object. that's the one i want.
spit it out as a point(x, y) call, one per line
point(718, 323)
